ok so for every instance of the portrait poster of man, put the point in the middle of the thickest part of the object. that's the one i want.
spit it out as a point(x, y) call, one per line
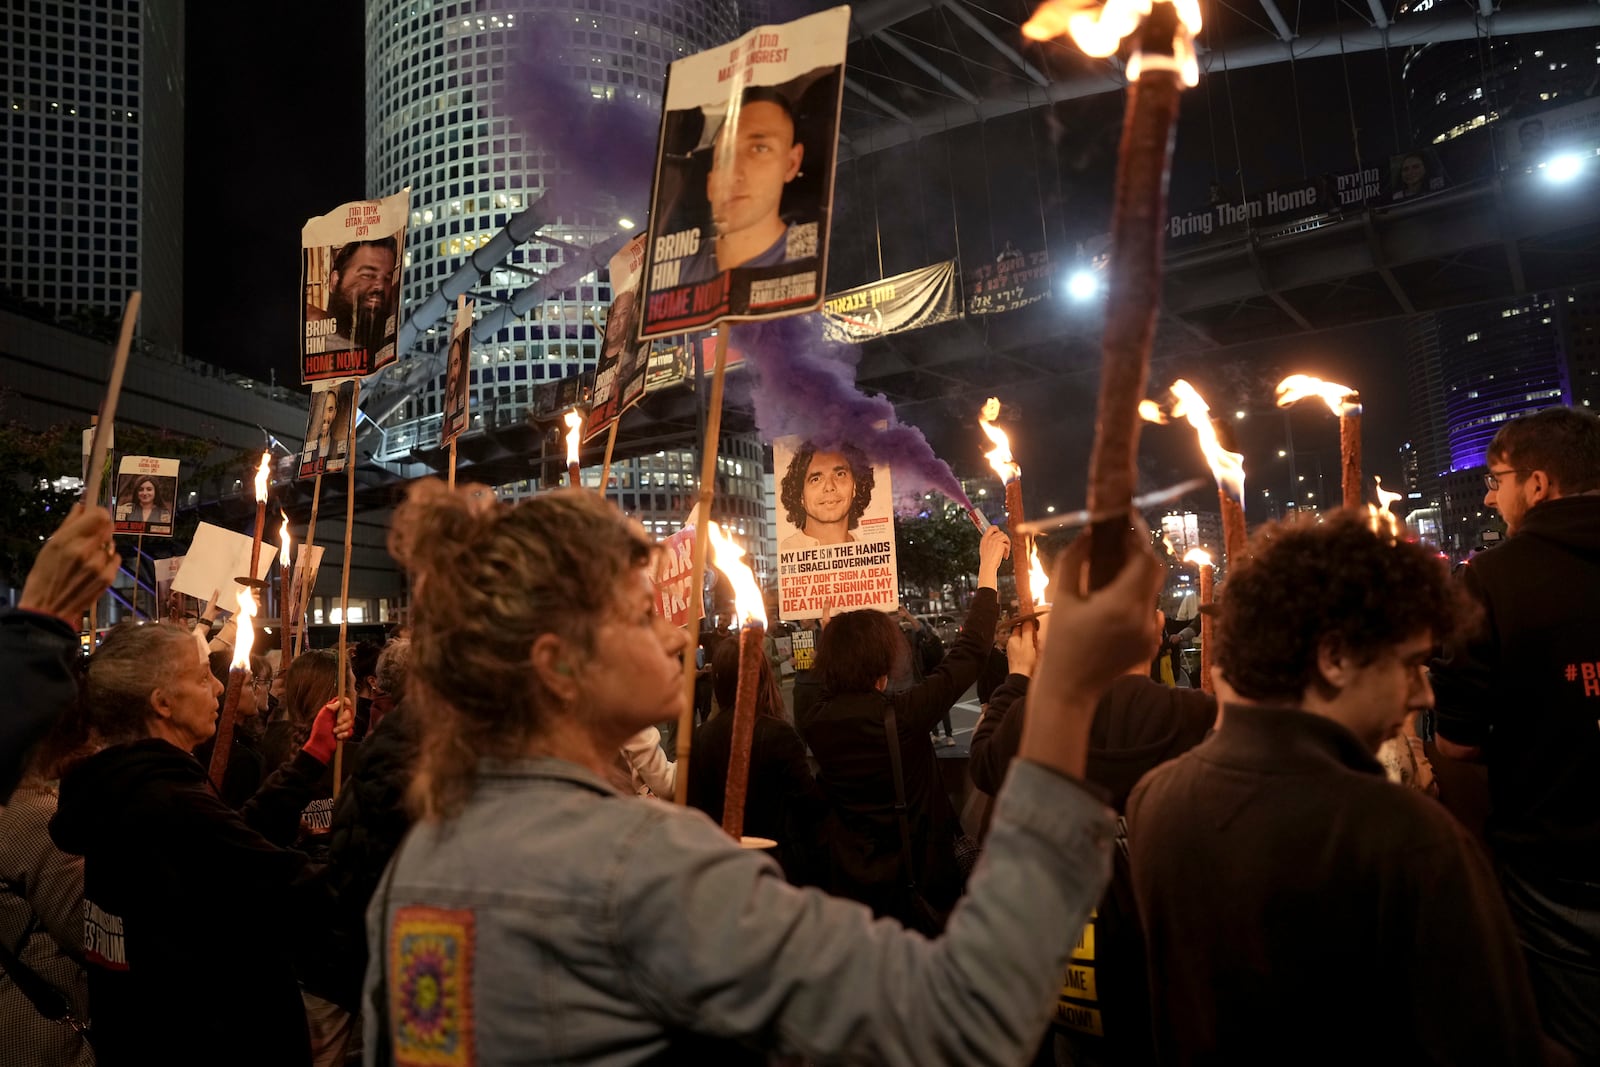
point(351, 259)
point(619, 376)
point(147, 495)
point(327, 430)
point(835, 527)
point(743, 191)
point(457, 375)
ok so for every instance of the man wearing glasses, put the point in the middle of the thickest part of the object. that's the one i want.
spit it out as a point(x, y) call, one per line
point(1522, 694)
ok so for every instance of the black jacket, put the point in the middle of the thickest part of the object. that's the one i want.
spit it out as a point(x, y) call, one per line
point(783, 802)
point(1299, 908)
point(188, 907)
point(1526, 687)
point(369, 822)
point(38, 657)
point(846, 734)
point(1138, 725)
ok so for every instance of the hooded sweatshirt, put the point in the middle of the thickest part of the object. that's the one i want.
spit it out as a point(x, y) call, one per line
point(1526, 687)
point(187, 908)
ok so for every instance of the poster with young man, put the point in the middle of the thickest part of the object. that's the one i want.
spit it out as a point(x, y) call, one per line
point(351, 260)
point(457, 403)
point(147, 496)
point(835, 530)
point(743, 192)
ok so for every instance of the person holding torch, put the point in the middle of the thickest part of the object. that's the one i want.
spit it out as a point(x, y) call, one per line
point(189, 905)
point(534, 888)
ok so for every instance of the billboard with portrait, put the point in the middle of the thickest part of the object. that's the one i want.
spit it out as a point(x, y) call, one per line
point(147, 496)
point(835, 526)
point(743, 191)
point(351, 260)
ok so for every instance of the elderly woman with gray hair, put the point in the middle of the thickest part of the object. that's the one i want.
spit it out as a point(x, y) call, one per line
point(187, 902)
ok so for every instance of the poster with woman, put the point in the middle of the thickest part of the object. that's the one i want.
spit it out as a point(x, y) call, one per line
point(327, 430)
point(147, 495)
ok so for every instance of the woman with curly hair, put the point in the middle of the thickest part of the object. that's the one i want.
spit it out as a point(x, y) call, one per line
point(540, 913)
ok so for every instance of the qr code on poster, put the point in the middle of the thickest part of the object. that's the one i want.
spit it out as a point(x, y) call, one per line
point(802, 241)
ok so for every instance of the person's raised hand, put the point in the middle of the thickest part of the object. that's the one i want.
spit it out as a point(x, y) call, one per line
point(335, 722)
point(992, 550)
point(1022, 647)
point(75, 566)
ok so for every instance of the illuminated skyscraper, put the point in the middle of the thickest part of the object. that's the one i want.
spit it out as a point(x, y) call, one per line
point(442, 118)
point(92, 137)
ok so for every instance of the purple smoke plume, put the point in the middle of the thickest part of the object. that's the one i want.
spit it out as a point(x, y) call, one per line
point(606, 146)
point(806, 385)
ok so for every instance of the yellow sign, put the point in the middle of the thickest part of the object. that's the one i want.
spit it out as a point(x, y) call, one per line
point(1078, 1017)
point(1079, 984)
point(1084, 949)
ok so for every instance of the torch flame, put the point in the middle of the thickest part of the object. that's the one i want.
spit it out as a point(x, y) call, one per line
point(1341, 399)
point(1385, 498)
point(1150, 411)
point(1100, 32)
point(1381, 518)
point(1038, 580)
point(999, 456)
point(262, 474)
point(246, 636)
point(728, 558)
point(1198, 556)
point(283, 541)
point(1227, 467)
point(574, 421)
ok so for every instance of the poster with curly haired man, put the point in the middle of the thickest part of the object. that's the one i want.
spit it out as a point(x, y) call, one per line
point(835, 530)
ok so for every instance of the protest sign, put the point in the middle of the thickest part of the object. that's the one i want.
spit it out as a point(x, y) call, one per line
point(147, 495)
point(835, 531)
point(674, 577)
point(327, 429)
point(743, 190)
point(1014, 280)
point(457, 401)
point(351, 259)
point(619, 377)
point(215, 558)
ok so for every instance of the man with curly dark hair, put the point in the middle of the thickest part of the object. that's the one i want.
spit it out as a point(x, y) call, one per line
point(824, 495)
point(1288, 892)
point(1522, 694)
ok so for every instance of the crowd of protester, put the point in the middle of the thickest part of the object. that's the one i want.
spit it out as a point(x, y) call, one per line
point(500, 875)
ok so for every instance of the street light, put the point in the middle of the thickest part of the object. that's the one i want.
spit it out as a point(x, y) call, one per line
point(1083, 285)
point(1564, 168)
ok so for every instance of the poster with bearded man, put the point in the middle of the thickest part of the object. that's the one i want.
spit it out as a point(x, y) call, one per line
point(351, 259)
point(835, 530)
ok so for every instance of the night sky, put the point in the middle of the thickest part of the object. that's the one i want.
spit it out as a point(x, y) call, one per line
point(272, 141)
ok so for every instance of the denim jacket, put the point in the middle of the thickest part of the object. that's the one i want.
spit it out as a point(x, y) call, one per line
point(558, 921)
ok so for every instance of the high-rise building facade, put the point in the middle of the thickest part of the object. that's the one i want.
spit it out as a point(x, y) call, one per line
point(92, 135)
point(442, 118)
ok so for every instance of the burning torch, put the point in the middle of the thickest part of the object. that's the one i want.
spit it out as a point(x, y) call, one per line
point(1344, 402)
